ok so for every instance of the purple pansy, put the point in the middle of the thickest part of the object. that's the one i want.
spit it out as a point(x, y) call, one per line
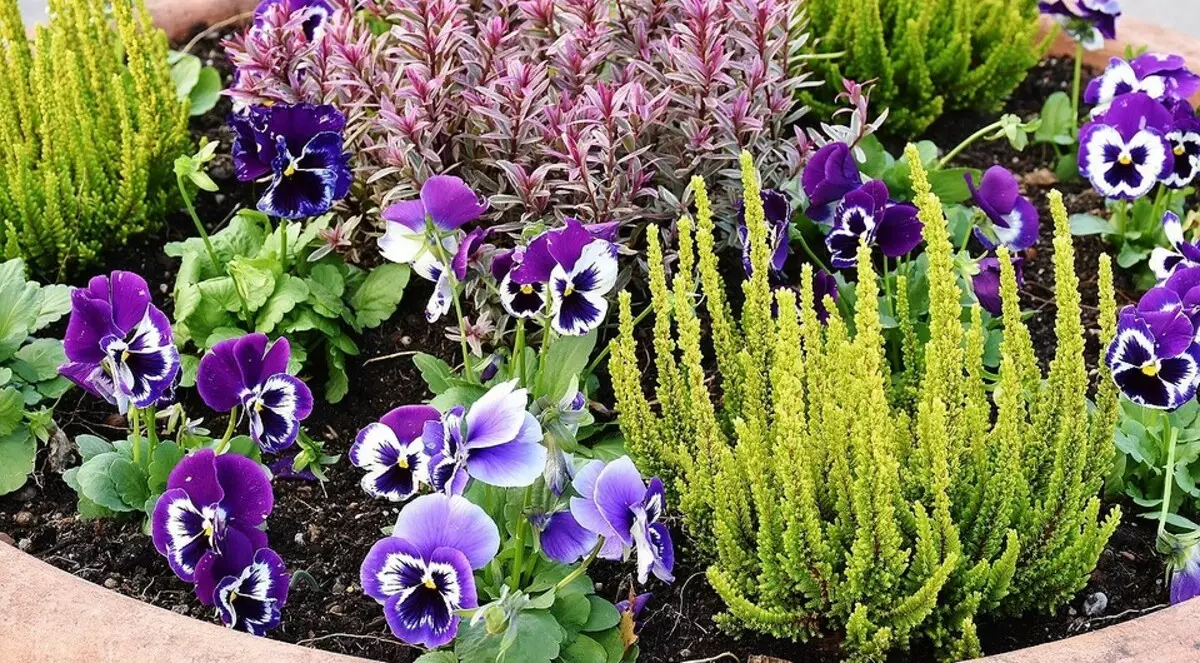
point(300, 147)
point(446, 203)
point(119, 345)
point(251, 371)
point(986, 282)
point(778, 212)
point(1124, 152)
point(422, 573)
point(1184, 140)
point(561, 537)
point(1185, 572)
point(615, 504)
point(866, 214)
point(314, 13)
point(495, 441)
point(1160, 76)
point(1154, 358)
point(824, 284)
point(828, 176)
point(207, 521)
point(252, 600)
point(1088, 22)
point(1164, 262)
point(1011, 219)
point(634, 607)
point(393, 453)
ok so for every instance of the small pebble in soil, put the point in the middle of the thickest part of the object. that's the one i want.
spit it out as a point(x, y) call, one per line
point(314, 532)
point(352, 588)
point(338, 587)
point(27, 493)
point(25, 544)
point(180, 608)
point(299, 539)
point(1095, 605)
point(24, 519)
point(336, 609)
point(406, 341)
point(111, 583)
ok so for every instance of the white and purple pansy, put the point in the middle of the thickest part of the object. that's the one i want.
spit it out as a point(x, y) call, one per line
point(1153, 358)
point(494, 441)
point(312, 13)
point(1184, 567)
point(393, 453)
point(1163, 261)
point(422, 573)
point(118, 345)
point(251, 371)
point(1124, 152)
point(985, 283)
point(616, 505)
point(252, 601)
point(1184, 139)
point(206, 523)
point(435, 271)
point(828, 176)
point(1088, 22)
point(1160, 76)
point(778, 212)
point(445, 204)
point(1010, 219)
point(300, 147)
point(866, 215)
point(579, 290)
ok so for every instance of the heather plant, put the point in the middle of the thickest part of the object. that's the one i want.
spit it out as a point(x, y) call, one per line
point(837, 497)
point(92, 122)
point(928, 57)
point(600, 109)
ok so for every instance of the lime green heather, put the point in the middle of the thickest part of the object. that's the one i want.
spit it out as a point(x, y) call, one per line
point(834, 499)
point(89, 127)
point(927, 56)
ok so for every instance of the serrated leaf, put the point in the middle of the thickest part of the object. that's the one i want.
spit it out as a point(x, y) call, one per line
point(129, 480)
point(376, 298)
point(96, 484)
point(337, 385)
point(434, 371)
point(289, 292)
point(535, 640)
point(56, 302)
point(39, 360)
point(18, 450)
point(12, 409)
point(91, 446)
point(325, 287)
point(254, 278)
point(166, 456)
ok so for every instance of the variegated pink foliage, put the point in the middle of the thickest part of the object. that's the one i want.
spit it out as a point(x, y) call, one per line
point(598, 109)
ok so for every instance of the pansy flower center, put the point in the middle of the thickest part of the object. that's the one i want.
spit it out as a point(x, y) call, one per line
point(1125, 159)
point(527, 289)
point(1150, 368)
point(1179, 151)
point(402, 462)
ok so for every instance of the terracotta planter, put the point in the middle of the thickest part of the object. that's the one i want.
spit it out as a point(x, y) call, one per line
point(181, 18)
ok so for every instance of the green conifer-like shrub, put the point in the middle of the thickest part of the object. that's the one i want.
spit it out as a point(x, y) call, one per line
point(838, 500)
point(90, 124)
point(929, 56)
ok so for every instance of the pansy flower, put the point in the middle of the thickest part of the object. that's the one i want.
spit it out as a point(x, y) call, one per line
point(1184, 140)
point(1184, 567)
point(778, 212)
point(866, 214)
point(1011, 219)
point(1164, 262)
point(118, 345)
point(1089, 22)
point(252, 600)
point(251, 371)
point(1124, 152)
point(206, 523)
point(1159, 76)
point(1154, 359)
point(422, 573)
point(632, 608)
point(445, 204)
point(617, 505)
point(314, 13)
point(986, 282)
point(393, 453)
point(828, 176)
point(495, 441)
point(561, 537)
point(300, 147)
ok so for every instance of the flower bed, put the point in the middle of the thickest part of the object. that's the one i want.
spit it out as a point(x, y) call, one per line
point(323, 532)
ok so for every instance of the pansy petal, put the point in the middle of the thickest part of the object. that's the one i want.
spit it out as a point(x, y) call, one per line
point(408, 214)
point(564, 540)
point(196, 474)
point(899, 231)
point(436, 521)
point(425, 615)
point(248, 496)
point(235, 553)
point(510, 465)
point(450, 203)
point(219, 378)
point(497, 416)
point(392, 566)
point(618, 489)
point(130, 297)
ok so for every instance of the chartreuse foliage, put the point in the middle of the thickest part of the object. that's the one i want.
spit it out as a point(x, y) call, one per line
point(89, 125)
point(929, 56)
point(838, 499)
point(264, 282)
point(28, 369)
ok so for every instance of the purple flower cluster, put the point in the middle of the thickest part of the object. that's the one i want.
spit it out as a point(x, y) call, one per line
point(1144, 130)
point(1089, 22)
point(208, 525)
point(1009, 219)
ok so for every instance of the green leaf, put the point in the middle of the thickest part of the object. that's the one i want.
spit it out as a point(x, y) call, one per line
point(565, 360)
point(39, 360)
point(18, 450)
point(97, 485)
point(614, 645)
point(56, 302)
point(289, 292)
point(189, 365)
point(603, 615)
point(185, 73)
point(950, 184)
point(254, 278)
point(584, 650)
point(12, 410)
point(206, 91)
point(441, 656)
point(338, 383)
point(457, 395)
point(1090, 224)
point(91, 446)
point(166, 456)
point(130, 482)
point(1131, 255)
point(878, 159)
point(571, 610)
point(377, 296)
point(536, 640)
point(326, 286)
point(1057, 124)
point(435, 372)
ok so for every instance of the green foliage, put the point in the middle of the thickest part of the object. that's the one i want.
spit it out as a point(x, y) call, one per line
point(838, 497)
point(1135, 229)
point(28, 369)
point(89, 125)
point(318, 305)
point(929, 56)
point(200, 85)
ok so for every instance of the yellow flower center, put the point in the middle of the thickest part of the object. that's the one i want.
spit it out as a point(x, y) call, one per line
point(233, 596)
point(290, 170)
point(1179, 150)
point(124, 356)
point(1125, 159)
point(208, 530)
point(527, 289)
point(258, 406)
point(1150, 369)
point(402, 462)
point(430, 584)
point(570, 289)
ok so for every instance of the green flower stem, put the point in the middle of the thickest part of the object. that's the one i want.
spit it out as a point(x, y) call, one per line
point(604, 352)
point(1168, 479)
point(547, 339)
point(440, 252)
point(233, 419)
point(518, 568)
point(967, 143)
point(1075, 86)
point(582, 568)
point(135, 433)
point(187, 202)
point(811, 255)
point(151, 433)
point(519, 352)
point(283, 250)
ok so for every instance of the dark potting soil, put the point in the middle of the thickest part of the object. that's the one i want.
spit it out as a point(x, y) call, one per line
point(325, 531)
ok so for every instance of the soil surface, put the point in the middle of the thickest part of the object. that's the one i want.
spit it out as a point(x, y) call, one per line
point(325, 531)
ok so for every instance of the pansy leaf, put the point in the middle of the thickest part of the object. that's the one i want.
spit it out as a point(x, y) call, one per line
point(129, 480)
point(96, 484)
point(90, 446)
point(337, 385)
point(12, 409)
point(950, 185)
point(206, 91)
point(189, 364)
point(565, 360)
point(1057, 124)
point(56, 302)
point(603, 615)
point(614, 645)
point(18, 449)
point(376, 298)
point(583, 649)
point(254, 278)
point(533, 636)
point(1090, 224)
point(571, 609)
point(457, 395)
point(185, 72)
point(441, 656)
point(289, 291)
point(325, 287)
point(39, 360)
point(1131, 255)
point(166, 456)
point(435, 372)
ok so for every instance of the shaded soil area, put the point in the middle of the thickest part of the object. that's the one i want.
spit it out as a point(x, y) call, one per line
point(325, 531)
